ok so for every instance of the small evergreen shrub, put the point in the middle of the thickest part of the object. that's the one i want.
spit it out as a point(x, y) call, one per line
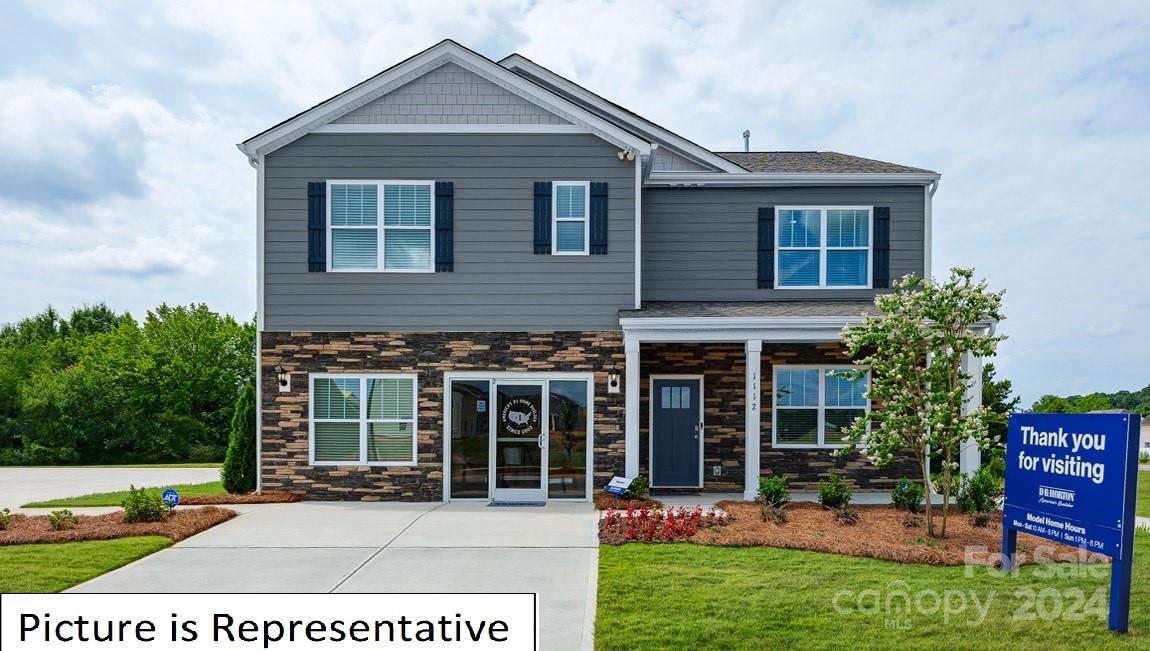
point(913, 521)
point(1144, 457)
point(238, 473)
point(770, 513)
point(979, 492)
point(5, 518)
point(638, 489)
point(773, 492)
point(835, 493)
point(982, 519)
point(62, 519)
point(144, 506)
point(907, 495)
point(844, 515)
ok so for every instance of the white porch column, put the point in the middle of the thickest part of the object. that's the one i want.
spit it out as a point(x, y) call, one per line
point(754, 350)
point(969, 456)
point(631, 420)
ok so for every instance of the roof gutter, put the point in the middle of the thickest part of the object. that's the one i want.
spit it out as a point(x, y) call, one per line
point(712, 179)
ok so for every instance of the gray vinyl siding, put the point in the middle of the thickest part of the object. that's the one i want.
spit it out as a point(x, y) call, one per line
point(450, 95)
point(499, 284)
point(700, 244)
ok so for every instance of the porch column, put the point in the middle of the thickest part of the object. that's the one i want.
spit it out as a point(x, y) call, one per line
point(631, 420)
point(754, 350)
point(969, 457)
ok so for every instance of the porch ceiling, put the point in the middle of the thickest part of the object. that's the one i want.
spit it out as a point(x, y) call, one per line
point(775, 321)
point(750, 309)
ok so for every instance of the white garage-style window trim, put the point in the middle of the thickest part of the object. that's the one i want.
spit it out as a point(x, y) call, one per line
point(824, 247)
point(382, 226)
point(363, 419)
point(570, 226)
point(810, 405)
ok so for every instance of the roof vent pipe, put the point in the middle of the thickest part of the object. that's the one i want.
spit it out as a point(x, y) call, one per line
point(747, 140)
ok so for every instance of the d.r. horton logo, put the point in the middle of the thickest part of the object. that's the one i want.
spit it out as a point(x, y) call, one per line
point(1056, 494)
point(519, 416)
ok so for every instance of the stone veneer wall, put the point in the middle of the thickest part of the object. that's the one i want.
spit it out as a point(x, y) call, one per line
point(284, 437)
point(723, 367)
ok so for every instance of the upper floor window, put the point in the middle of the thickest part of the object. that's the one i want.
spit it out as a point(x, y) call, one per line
point(362, 241)
point(824, 247)
point(569, 232)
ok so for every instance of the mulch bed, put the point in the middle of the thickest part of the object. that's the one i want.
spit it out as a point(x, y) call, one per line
point(607, 501)
point(880, 533)
point(181, 524)
point(247, 498)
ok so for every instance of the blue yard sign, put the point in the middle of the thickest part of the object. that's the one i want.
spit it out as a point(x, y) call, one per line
point(171, 498)
point(1071, 478)
point(618, 485)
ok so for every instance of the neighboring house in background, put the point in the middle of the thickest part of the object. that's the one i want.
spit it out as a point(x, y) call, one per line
point(481, 280)
point(1145, 439)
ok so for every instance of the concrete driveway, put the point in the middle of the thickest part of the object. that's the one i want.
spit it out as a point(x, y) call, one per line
point(23, 485)
point(391, 547)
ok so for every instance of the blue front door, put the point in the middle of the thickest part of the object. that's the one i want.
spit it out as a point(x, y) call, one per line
point(675, 432)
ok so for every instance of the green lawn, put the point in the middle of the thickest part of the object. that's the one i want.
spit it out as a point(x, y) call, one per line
point(686, 596)
point(1143, 507)
point(114, 499)
point(56, 567)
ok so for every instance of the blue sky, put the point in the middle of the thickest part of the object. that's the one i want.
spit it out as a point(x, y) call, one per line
point(121, 181)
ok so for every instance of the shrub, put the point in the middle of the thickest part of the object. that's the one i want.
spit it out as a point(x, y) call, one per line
point(773, 492)
point(979, 492)
point(843, 515)
point(771, 513)
point(835, 493)
point(62, 519)
point(913, 521)
point(1144, 457)
point(239, 471)
point(144, 506)
point(982, 519)
point(638, 489)
point(907, 495)
point(5, 518)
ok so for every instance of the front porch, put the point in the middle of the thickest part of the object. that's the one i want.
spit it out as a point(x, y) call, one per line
point(702, 361)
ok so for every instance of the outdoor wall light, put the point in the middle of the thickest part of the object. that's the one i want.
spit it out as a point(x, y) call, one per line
point(283, 379)
point(613, 383)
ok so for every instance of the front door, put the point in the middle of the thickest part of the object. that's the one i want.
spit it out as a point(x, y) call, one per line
point(676, 441)
point(520, 450)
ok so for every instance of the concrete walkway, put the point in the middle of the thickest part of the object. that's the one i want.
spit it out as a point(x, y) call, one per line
point(391, 547)
point(23, 485)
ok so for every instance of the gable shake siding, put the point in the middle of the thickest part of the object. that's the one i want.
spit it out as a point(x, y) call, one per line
point(499, 284)
point(699, 244)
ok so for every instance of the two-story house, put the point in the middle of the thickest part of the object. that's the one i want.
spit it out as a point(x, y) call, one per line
point(480, 280)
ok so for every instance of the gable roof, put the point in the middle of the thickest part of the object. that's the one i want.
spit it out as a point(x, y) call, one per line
point(446, 51)
point(787, 162)
point(619, 115)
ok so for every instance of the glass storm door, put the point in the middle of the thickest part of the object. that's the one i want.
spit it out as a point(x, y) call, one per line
point(519, 465)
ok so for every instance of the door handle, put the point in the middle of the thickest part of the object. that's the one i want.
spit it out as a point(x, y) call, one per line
point(540, 441)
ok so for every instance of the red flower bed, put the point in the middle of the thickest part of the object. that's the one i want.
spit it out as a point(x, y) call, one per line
point(655, 525)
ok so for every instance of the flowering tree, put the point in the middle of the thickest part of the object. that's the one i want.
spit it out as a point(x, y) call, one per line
point(914, 350)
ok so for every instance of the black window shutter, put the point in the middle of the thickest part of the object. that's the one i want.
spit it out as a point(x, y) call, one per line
point(880, 272)
point(444, 226)
point(598, 218)
point(767, 247)
point(316, 226)
point(543, 217)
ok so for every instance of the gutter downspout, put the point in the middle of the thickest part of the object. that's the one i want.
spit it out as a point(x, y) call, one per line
point(639, 228)
point(928, 191)
point(259, 318)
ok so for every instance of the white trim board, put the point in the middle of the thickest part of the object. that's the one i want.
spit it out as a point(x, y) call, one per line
point(753, 179)
point(444, 52)
point(651, 425)
point(450, 128)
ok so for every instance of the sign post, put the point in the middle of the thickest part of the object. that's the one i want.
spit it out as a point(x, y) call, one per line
point(1071, 478)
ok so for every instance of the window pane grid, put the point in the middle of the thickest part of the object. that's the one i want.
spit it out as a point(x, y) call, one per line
point(401, 241)
point(570, 218)
point(823, 247)
point(380, 429)
point(812, 406)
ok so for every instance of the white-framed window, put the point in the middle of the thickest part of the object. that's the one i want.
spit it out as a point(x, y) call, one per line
point(363, 419)
point(570, 230)
point(823, 247)
point(811, 405)
point(381, 226)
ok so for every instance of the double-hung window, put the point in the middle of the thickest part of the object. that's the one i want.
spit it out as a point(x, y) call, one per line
point(812, 405)
point(381, 226)
point(824, 247)
point(570, 234)
point(363, 419)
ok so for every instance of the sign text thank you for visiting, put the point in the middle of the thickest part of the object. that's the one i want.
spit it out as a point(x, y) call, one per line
point(1071, 478)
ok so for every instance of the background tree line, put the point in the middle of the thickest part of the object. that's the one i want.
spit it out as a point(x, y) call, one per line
point(1138, 401)
point(100, 387)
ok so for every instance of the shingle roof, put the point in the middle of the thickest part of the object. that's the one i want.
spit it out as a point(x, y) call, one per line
point(813, 162)
point(674, 309)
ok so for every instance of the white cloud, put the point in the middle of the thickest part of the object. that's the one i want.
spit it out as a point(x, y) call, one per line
point(1033, 113)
